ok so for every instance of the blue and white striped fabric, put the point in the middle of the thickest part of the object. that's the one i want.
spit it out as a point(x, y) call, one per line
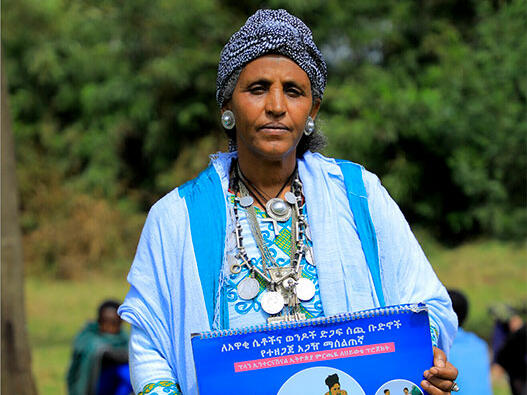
point(166, 302)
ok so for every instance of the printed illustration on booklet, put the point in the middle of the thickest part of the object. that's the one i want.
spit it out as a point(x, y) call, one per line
point(322, 380)
point(396, 387)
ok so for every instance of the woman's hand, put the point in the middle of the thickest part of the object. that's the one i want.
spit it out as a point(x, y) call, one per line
point(441, 376)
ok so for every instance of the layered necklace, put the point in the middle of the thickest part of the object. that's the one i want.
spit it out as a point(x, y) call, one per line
point(285, 288)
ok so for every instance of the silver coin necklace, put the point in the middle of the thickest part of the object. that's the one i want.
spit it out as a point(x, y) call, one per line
point(285, 288)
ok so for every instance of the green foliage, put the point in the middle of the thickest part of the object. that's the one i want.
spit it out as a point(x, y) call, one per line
point(122, 85)
point(442, 117)
point(115, 99)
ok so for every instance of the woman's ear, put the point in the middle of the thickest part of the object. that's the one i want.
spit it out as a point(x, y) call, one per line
point(314, 108)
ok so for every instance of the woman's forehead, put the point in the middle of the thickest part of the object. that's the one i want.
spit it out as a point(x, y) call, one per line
point(274, 66)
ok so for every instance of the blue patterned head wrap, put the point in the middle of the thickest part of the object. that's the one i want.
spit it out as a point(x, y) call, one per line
point(270, 31)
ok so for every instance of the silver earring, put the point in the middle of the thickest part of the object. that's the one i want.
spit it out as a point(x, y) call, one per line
point(310, 126)
point(227, 119)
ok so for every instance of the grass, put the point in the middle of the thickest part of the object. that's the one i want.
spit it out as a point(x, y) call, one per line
point(488, 271)
point(56, 311)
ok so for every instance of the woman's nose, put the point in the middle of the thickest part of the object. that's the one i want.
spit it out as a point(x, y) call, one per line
point(275, 104)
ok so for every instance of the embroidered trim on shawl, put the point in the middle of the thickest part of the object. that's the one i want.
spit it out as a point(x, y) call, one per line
point(165, 387)
point(434, 332)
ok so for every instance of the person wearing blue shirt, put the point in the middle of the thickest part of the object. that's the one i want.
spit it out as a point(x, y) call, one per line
point(469, 353)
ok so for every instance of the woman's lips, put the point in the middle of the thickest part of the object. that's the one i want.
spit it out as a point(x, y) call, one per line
point(274, 128)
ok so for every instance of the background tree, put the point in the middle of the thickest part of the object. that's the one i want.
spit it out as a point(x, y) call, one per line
point(16, 357)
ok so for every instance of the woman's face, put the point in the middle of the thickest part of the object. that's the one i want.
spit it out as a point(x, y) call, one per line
point(335, 390)
point(271, 102)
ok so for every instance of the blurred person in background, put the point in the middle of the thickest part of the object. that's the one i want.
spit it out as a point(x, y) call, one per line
point(272, 205)
point(99, 363)
point(511, 350)
point(469, 353)
point(507, 319)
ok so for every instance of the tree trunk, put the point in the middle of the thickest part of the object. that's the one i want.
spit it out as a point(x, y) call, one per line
point(16, 356)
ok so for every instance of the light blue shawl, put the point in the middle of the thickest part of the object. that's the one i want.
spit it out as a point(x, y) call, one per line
point(166, 299)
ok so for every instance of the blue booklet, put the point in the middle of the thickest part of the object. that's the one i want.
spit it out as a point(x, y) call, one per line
point(374, 352)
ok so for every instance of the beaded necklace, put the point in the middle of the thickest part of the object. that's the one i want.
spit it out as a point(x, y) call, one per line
point(285, 287)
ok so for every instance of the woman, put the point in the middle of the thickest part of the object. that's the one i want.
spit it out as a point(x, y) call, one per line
point(271, 231)
point(332, 381)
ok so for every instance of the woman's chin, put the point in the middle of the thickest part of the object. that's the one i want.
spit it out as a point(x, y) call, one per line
point(275, 152)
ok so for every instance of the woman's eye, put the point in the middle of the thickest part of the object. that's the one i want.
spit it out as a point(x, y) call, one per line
point(294, 92)
point(256, 90)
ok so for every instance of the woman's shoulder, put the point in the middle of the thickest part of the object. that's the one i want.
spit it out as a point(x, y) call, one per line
point(170, 202)
point(342, 168)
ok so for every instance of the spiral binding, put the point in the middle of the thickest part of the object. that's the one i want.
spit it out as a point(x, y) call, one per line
point(344, 317)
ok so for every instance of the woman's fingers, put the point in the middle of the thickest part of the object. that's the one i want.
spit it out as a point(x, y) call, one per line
point(442, 368)
point(444, 383)
point(449, 372)
point(439, 357)
point(431, 389)
point(440, 377)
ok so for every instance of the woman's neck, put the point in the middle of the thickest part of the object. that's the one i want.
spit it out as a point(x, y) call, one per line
point(268, 176)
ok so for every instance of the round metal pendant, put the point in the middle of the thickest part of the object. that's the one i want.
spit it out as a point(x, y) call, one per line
point(248, 288)
point(305, 289)
point(290, 198)
point(272, 302)
point(278, 209)
point(246, 201)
